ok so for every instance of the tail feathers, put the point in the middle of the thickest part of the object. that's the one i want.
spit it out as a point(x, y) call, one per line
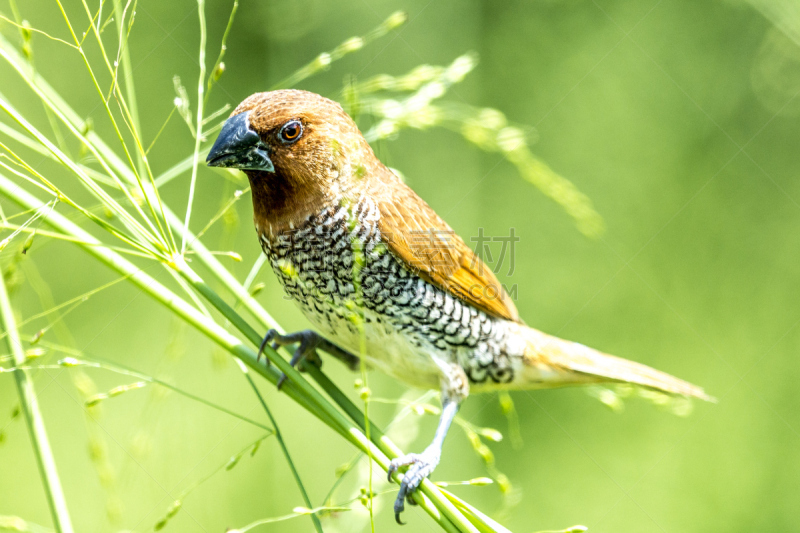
point(545, 354)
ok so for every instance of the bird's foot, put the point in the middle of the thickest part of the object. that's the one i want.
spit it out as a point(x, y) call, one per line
point(420, 466)
point(306, 350)
point(308, 341)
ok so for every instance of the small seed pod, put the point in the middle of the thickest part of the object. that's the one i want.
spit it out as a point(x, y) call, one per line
point(218, 72)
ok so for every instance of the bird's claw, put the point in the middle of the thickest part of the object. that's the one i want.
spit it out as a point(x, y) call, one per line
point(306, 351)
point(266, 340)
point(420, 466)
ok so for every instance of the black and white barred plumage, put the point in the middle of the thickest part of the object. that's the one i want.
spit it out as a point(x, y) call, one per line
point(314, 263)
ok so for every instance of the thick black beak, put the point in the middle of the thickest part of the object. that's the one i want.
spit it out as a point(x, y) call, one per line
point(238, 146)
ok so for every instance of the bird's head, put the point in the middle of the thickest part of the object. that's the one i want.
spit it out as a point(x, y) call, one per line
point(299, 150)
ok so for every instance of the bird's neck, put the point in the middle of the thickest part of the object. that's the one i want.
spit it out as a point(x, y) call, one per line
point(281, 205)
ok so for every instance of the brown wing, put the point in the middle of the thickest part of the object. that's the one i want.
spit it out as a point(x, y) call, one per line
point(426, 244)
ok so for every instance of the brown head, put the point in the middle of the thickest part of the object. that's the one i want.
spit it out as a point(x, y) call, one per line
point(301, 151)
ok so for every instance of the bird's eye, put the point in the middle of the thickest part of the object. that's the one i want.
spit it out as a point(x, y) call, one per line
point(291, 131)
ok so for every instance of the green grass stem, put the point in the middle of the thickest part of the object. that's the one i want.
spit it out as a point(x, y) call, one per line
point(34, 420)
point(201, 87)
point(284, 448)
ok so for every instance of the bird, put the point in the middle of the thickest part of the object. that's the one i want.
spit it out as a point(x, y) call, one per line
point(366, 259)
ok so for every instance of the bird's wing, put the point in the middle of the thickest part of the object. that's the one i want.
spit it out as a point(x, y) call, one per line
point(427, 245)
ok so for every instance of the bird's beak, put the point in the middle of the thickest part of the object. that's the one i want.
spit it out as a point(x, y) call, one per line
point(239, 146)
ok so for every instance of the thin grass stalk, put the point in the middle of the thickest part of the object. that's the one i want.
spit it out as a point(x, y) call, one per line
point(296, 387)
point(219, 66)
point(96, 190)
point(324, 60)
point(123, 370)
point(62, 237)
point(34, 420)
point(127, 74)
point(164, 235)
point(72, 362)
point(284, 449)
point(359, 261)
point(201, 86)
point(129, 114)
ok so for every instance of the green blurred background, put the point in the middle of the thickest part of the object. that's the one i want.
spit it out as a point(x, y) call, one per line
point(679, 119)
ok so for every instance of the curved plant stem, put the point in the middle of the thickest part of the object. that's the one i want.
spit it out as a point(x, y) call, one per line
point(201, 86)
point(34, 420)
point(282, 443)
point(127, 75)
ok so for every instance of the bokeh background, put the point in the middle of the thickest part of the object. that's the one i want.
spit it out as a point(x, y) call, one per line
point(678, 119)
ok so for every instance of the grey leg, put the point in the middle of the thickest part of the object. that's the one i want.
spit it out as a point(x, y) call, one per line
point(421, 465)
point(308, 341)
point(455, 388)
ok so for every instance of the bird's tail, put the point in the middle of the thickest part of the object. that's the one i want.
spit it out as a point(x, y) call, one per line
point(550, 361)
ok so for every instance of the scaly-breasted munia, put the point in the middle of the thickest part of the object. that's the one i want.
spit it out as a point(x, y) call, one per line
point(343, 232)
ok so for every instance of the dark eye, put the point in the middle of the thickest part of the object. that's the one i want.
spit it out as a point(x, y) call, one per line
point(291, 131)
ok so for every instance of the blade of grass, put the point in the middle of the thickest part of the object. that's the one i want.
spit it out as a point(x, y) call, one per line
point(168, 241)
point(62, 237)
point(228, 465)
point(487, 524)
point(124, 58)
point(201, 84)
point(143, 235)
point(282, 443)
point(219, 66)
point(34, 420)
point(323, 61)
point(119, 369)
